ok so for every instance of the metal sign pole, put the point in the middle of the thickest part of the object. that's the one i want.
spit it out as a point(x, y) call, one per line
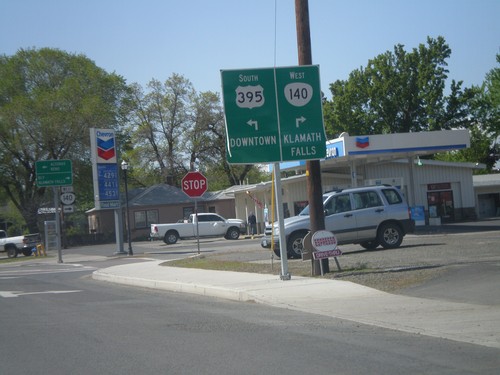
point(58, 224)
point(197, 229)
point(285, 275)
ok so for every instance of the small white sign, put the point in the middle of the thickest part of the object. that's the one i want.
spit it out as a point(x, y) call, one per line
point(68, 198)
point(67, 189)
point(68, 209)
point(323, 240)
point(325, 244)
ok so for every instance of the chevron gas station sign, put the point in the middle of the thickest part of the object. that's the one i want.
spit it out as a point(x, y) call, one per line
point(105, 169)
point(105, 143)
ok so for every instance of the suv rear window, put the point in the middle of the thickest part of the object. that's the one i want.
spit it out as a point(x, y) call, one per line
point(392, 196)
point(366, 199)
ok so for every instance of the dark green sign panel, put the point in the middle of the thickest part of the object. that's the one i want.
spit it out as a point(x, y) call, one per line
point(54, 173)
point(251, 116)
point(273, 115)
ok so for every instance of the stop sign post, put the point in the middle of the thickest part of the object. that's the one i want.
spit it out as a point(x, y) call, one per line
point(194, 184)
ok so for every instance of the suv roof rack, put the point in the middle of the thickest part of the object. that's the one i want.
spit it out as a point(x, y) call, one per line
point(356, 187)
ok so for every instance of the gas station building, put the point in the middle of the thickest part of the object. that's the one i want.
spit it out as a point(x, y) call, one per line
point(436, 191)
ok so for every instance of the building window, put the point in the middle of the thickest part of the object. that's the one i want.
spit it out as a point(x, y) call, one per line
point(144, 219)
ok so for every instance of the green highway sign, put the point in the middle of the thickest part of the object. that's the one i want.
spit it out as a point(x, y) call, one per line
point(54, 173)
point(273, 114)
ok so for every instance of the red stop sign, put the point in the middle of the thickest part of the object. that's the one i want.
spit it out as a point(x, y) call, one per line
point(194, 184)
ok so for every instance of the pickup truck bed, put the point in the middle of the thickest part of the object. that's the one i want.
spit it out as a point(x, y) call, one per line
point(20, 244)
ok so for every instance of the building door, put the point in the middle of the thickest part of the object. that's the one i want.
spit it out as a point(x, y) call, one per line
point(441, 205)
point(489, 205)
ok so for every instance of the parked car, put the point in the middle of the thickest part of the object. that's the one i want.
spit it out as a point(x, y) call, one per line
point(370, 216)
point(209, 225)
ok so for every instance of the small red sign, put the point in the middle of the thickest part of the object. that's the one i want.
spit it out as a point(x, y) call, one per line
point(326, 254)
point(194, 184)
point(325, 244)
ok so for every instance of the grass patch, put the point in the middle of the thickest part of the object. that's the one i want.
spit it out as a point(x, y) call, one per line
point(16, 260)
point(295, 267)
point(220, 265)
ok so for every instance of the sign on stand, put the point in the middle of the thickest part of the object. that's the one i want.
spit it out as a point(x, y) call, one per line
point(325, 245)
point(273, 114)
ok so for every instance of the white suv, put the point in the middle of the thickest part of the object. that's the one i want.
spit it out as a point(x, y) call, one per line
point(370, 216)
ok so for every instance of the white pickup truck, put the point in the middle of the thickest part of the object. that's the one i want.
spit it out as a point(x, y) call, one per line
point(209, 225)
point(20, 244)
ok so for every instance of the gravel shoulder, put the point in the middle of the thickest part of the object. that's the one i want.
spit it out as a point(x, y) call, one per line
point(394, 281)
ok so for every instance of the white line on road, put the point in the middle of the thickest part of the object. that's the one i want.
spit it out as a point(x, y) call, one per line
point(13, 293)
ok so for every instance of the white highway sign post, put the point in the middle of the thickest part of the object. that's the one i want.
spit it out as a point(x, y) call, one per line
point(273, 114)
point(55, 173)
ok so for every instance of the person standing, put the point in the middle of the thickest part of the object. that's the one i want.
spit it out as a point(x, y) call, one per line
point(252, 223)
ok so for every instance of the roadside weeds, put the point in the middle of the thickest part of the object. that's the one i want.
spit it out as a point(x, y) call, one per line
point(387, 280)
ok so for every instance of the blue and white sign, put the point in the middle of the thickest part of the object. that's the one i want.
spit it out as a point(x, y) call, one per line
point(107, 176)
point(105, 169)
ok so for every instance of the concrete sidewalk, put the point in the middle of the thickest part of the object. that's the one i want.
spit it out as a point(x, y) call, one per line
point(476, 324)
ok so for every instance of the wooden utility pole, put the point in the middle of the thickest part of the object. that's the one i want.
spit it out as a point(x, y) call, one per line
point(313, 168)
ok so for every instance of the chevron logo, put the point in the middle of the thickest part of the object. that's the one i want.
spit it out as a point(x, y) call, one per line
point(106, 154)
point(105, 145)
point(362, 142)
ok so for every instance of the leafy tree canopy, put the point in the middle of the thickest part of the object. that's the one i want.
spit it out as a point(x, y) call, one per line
point(174, 129)
point(397, 92)
point(48, 101)
point(402, 91)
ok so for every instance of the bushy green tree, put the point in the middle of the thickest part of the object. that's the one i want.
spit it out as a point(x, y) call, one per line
point(402, 91)
point(397, 92)
point(477, 109)
point(48, 101)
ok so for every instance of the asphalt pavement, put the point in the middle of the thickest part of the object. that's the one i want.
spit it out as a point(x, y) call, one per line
point(464, 322)
point(476, 324)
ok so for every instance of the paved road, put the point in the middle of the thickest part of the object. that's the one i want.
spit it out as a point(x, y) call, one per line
point(56, 320)
point(467, 253)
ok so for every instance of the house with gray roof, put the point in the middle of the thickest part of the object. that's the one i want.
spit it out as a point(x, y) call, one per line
point(159, 203)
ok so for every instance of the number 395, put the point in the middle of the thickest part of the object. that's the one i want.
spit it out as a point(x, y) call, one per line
point(249, 97)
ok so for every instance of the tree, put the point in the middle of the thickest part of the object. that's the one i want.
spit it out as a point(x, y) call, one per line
point(403, 91)
point(477, 109)
point(48, 101)
point(491, 100)
point(175, 129)
point(158, 124)
point(397, 92)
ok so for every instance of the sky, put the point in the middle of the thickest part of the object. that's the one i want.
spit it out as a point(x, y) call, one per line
point(145, 39)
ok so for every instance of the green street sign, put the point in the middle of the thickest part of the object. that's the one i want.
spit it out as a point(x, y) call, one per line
point(273, 114)
point(54, 173)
